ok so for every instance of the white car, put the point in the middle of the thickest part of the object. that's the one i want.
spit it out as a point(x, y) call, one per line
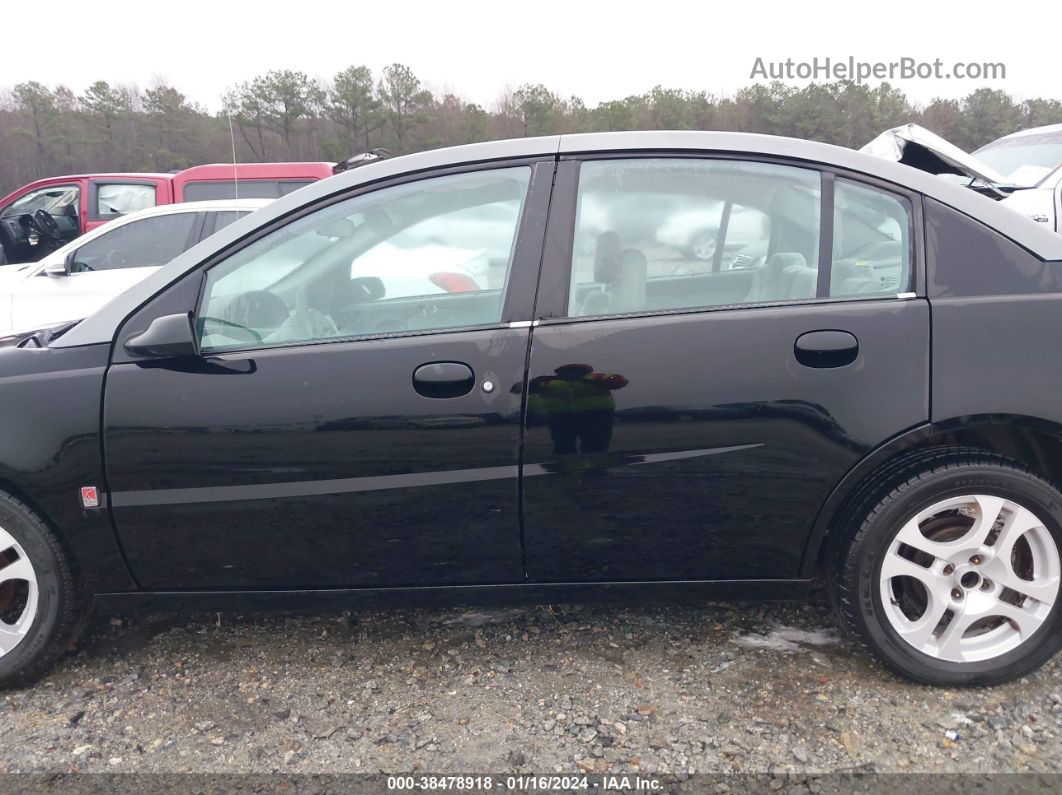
point(695, 233)
point(1032, 161)
point(77, 279)
point(1023, 170)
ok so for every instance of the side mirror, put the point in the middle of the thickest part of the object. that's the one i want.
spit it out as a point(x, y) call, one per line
point(340, 227)
point(60, 268)
point(169, 336)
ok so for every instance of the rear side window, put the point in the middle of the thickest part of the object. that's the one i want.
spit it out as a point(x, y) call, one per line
point(660, 234)
point(207, 190)
point(144, 243)
point(117, 199)
point(226, 217)
point(871, 241)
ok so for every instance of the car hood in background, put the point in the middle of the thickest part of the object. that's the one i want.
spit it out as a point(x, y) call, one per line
point(37, 338)
point(916, 146)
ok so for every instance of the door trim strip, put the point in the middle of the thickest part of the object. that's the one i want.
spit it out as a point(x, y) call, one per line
point(317, 488)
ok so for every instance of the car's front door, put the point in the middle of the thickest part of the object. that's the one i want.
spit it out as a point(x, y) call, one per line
point(702, 377)
point(21, 235)
point(354, 417)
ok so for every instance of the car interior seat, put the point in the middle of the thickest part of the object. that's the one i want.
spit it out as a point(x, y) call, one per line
point(863, 273)
point(622, 275)
point(785, 276)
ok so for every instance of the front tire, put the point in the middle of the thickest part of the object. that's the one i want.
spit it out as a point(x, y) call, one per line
point(40, 602)
point(952, 574)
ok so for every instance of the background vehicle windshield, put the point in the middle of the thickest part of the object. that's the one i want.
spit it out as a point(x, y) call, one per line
point(52, 199)
point(1026, 158)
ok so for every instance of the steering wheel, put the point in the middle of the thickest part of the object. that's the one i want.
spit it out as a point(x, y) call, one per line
point(46, 224)
point(311, 322)
point(207, 319)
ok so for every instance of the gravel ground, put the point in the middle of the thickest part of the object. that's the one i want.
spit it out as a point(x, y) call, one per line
point(653, 689)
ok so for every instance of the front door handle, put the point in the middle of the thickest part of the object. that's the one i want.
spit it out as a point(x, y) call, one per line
point(443, 379)
point(826, 348)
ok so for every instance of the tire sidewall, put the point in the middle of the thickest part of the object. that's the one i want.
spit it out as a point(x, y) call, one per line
point(894, 512)
point(49, 594)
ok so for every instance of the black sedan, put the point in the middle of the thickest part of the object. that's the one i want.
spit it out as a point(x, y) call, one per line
point(492, 373)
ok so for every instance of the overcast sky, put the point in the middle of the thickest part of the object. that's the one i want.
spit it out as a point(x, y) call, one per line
point(594, 50)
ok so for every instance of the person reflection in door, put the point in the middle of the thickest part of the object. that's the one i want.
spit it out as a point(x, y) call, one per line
point(578, 407)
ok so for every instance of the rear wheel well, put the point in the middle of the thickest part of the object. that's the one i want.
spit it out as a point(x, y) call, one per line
point(1036, 448)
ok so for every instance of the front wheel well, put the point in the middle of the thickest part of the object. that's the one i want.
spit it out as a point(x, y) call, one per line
point(9, 488)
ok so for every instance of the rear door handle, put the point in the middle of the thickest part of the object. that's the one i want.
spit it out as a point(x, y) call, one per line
point(443, 379)
point(826, 348)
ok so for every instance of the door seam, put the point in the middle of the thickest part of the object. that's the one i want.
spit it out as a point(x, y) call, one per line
point(527, 380)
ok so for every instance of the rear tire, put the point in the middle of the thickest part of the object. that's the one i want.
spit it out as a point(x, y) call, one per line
point(951, 574)
point(40, 600)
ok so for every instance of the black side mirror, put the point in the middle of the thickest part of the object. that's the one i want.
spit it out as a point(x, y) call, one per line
point(169, 335)
point(64, 268)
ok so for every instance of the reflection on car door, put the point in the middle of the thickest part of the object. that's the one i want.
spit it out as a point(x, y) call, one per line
point(686, 422)
point(335, 435)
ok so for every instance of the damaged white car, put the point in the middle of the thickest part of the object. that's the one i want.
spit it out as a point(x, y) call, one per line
point(1022, 170)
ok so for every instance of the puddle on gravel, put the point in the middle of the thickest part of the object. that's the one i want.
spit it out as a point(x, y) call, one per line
point(784, 638)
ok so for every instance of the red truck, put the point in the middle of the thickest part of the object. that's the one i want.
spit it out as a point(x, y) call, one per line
point(79, 203)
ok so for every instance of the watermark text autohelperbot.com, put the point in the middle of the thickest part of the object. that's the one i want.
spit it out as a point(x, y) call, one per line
point(827, 69)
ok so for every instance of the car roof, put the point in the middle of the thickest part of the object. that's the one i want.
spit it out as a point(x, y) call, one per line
point(1048, 128)
point(109, 175)
point(101, 326)
point(209, 206)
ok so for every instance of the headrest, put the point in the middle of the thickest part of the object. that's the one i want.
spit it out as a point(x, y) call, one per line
point(606, 257)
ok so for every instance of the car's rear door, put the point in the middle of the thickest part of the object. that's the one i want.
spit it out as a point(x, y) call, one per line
point(353, 421)
point(690, 405)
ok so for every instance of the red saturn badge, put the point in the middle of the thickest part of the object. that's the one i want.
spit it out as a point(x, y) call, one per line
point(90, 497)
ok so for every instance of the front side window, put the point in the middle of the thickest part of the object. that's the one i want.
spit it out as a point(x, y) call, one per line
point(138, 244)
point(664, 234)
point(422, 256)
point(117, 199)
point(871, 241)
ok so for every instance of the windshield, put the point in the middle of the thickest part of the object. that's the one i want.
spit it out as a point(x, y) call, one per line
point(52, 199)
point(1025, 159)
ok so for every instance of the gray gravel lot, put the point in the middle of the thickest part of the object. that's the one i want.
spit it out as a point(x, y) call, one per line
point(654, 689)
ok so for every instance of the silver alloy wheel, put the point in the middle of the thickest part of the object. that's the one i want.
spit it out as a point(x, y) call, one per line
point(18, 593)
point(970, 578)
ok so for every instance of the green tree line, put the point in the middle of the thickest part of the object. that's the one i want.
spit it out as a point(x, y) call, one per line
point(286, 115)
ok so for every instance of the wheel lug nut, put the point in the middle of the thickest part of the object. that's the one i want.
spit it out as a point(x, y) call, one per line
point(976, 560)
point(956, 593)
point(949, 569)
point(986, 585)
